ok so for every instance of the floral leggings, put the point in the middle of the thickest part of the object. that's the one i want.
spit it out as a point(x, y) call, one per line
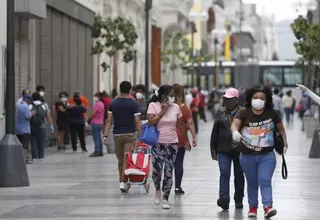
point(163, 154)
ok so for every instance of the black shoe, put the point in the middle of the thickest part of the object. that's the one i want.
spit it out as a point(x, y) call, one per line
point(179, 191)
point(239, 205)
point(223, 203)
point(84, 151)
point(95, 154)
point(101, 154)
point(59, 148)
point(64, 148)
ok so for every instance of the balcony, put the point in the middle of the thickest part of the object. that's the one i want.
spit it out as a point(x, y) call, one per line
point(31, 9)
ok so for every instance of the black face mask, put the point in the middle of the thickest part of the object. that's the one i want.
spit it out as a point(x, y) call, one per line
point(231, 104)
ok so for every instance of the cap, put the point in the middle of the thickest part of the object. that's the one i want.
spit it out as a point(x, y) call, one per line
point(231, 93)
point(27, 97)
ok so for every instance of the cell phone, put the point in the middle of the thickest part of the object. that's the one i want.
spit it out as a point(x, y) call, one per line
point(164, 98)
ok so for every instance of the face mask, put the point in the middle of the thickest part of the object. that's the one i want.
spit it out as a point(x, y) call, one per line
point(64, 99)
point(171, 100)
point(41, 93)
point(231, 104)
point(139, 95)
point(257, 104)
point(95, 99)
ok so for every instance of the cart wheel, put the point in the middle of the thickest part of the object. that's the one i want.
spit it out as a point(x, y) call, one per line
point(147, 187)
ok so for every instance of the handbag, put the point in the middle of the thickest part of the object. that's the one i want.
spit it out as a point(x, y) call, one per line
point(149, 134)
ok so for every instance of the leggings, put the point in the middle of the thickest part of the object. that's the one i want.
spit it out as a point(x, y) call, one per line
point(178, 170)
point(163, 154)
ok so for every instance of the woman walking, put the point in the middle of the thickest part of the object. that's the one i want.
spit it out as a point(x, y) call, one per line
point(253, 128)
point(62, 119)
point(166, 115)
point(189, 125)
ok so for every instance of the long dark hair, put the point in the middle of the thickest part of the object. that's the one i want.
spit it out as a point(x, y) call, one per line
point(164, 90)
point(100, 96)
point(258, 88)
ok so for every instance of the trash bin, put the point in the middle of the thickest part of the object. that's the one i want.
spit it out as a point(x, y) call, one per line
point(310, 125)
point(110, 145)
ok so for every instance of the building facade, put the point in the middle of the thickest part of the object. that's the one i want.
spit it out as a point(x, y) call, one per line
point(3, 43)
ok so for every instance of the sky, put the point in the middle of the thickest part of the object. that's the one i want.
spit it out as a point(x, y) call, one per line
point(276, 8)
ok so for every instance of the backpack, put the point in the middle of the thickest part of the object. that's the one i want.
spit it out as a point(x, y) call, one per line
point(39, 118)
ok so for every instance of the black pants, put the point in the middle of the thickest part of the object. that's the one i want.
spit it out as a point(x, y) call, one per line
point(195, 121)
point(74, 130)
point(25, 140)
point(202, 114)
point(178, 166)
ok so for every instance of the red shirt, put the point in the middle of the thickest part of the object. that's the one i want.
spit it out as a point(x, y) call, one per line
point(202, 102)
point(186, 115)
point(107, 102)
point(194, 105)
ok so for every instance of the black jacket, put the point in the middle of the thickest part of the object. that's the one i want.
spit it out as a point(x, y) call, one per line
point(221, 135)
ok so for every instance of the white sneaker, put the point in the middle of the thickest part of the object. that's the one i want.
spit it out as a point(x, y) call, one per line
point(123, 187)
point(165, 204)
point(157, 199)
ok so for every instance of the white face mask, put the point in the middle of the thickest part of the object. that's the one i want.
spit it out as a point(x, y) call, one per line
point(257, 104)
point(171, 100)
point(64, 99)
point(139, 95)
point(41, 93)
point(95, 99)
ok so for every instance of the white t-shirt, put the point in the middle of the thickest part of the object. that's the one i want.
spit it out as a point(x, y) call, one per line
point(188, 100)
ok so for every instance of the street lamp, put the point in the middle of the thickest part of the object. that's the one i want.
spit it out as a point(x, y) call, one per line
point(194, 17)
point(13, 171)
point(216, 33)
point(148, 6)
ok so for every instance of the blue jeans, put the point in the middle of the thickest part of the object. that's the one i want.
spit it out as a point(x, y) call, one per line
point(38, 143)
point(259, 170)
point(97, 137)
point(225, 161)
point(287, 113)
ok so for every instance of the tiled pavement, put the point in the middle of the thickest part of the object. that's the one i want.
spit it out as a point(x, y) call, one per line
point(70, 186)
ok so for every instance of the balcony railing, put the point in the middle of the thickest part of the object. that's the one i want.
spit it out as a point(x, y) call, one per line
point(31, 9)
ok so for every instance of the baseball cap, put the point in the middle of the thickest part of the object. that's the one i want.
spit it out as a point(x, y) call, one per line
point(231, 93)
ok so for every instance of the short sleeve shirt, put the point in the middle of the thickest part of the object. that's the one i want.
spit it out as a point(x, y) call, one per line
point(186, 116)
point(98, 117)
point(124, 111)
point(22, 118)
point(257, 130)
point(168, 123)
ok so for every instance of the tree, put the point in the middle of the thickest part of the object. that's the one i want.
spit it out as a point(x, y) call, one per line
point(111, 36)
point(178, 46)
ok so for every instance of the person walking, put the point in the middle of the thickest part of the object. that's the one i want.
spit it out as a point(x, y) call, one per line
point(62, 118)
point(287, 104)
point(253, 129)
point(97, 121)
point(179, 99)
point(166, 115)
point(194, 107)
point(277, 102)
point(223, 151)
point(77, 124)
point(125, 114)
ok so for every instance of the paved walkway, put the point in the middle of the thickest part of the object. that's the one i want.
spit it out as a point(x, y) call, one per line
point(70, 186)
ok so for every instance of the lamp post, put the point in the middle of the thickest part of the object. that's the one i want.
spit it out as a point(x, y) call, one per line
point(194, 17)
point(148, 6)
point(13, 171)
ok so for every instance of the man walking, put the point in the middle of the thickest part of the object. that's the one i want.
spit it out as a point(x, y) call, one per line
point(125, 114)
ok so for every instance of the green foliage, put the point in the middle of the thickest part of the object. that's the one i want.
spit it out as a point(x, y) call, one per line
point(177, 46)
point(113, 35)
point(308, 36)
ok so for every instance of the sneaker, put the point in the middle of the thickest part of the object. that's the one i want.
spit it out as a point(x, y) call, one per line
point(269, 212)
point(223, 203)
point(165, 204)
point(179, 191)
point(252, 212)
point(157, 198)
point(239, 205)
point(123, 187)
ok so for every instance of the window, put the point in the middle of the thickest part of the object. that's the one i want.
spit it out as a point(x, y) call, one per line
point(293, 76)
point(272, 75)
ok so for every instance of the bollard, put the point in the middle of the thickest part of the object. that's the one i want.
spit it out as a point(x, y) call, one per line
point(13, 170)
point(310, 124)
point(110, 145)
point(315, 145)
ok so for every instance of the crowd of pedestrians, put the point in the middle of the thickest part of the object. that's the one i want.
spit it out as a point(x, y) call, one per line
point(242, 134)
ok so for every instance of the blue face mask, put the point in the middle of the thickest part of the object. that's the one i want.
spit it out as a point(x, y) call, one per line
point(304, 95)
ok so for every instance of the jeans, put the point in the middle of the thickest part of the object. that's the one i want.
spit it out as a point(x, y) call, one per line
point(259, 170)
point(202, 114)
point(287, 113)
point(178, 166)
point(195, 121)
point(38, 143)
point(225, 161)
point(97, 137)
point(163, 154)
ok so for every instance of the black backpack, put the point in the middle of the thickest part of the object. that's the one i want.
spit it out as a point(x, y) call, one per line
point(39, 118)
